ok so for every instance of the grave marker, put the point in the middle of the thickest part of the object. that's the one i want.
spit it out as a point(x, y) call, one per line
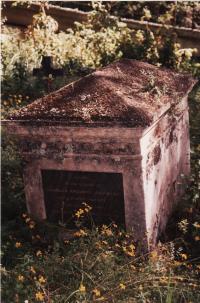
point(47, 70)
point(120, 132)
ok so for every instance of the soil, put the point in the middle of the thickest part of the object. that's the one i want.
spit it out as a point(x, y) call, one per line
point(128, 92)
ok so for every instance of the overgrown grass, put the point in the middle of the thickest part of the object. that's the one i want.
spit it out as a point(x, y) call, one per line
point(94, 265)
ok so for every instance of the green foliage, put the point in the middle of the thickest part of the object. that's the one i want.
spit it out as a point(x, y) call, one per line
point(88, 43)
point(99, 41)
point(12, 184)
point(184, 14)
point(94, 265)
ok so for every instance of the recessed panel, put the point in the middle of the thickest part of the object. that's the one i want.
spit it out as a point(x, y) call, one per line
point(65, 191)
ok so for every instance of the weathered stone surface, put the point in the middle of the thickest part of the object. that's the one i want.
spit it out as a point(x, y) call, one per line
point(127, 92)
point(165, 153)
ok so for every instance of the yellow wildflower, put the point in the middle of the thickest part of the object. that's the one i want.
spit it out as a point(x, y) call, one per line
point(79, 213)
point(20, 278)
point(132, 247)
point(87, 207)
point(177, 263)
point(122, 286)
point(39, 296)
point(18, 244)
point(188, 53)
point(32, 225)
point(130, 253)
point(80, 233)
point(163, 280)
point(32, 269)
point(197, 238)
point(153, 255)
point(196, 224)
point(98, 245)
point(42, 279)
point(130, 250)
point(140, 287)
point(96, 292)
point(82, 288)
point(38, 253)
point(184, 256)
point(104, 242)
point(28, 220)
point(106, 231)
point(83, 232)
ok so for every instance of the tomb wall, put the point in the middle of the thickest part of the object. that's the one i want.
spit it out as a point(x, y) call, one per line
point(165, 154)
point(111, 150)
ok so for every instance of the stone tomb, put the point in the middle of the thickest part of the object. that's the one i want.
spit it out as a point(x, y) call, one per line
point(116, 139)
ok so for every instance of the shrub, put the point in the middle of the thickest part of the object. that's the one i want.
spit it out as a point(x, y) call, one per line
point(94, 43)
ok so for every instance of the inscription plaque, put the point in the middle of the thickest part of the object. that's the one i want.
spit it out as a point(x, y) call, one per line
point(65, 191)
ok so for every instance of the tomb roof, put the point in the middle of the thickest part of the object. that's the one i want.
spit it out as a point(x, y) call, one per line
point(126, 92)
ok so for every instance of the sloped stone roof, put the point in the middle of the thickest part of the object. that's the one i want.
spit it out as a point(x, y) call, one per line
point(127, 92)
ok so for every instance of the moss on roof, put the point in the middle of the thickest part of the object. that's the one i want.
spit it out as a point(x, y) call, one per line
point(126, 92)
